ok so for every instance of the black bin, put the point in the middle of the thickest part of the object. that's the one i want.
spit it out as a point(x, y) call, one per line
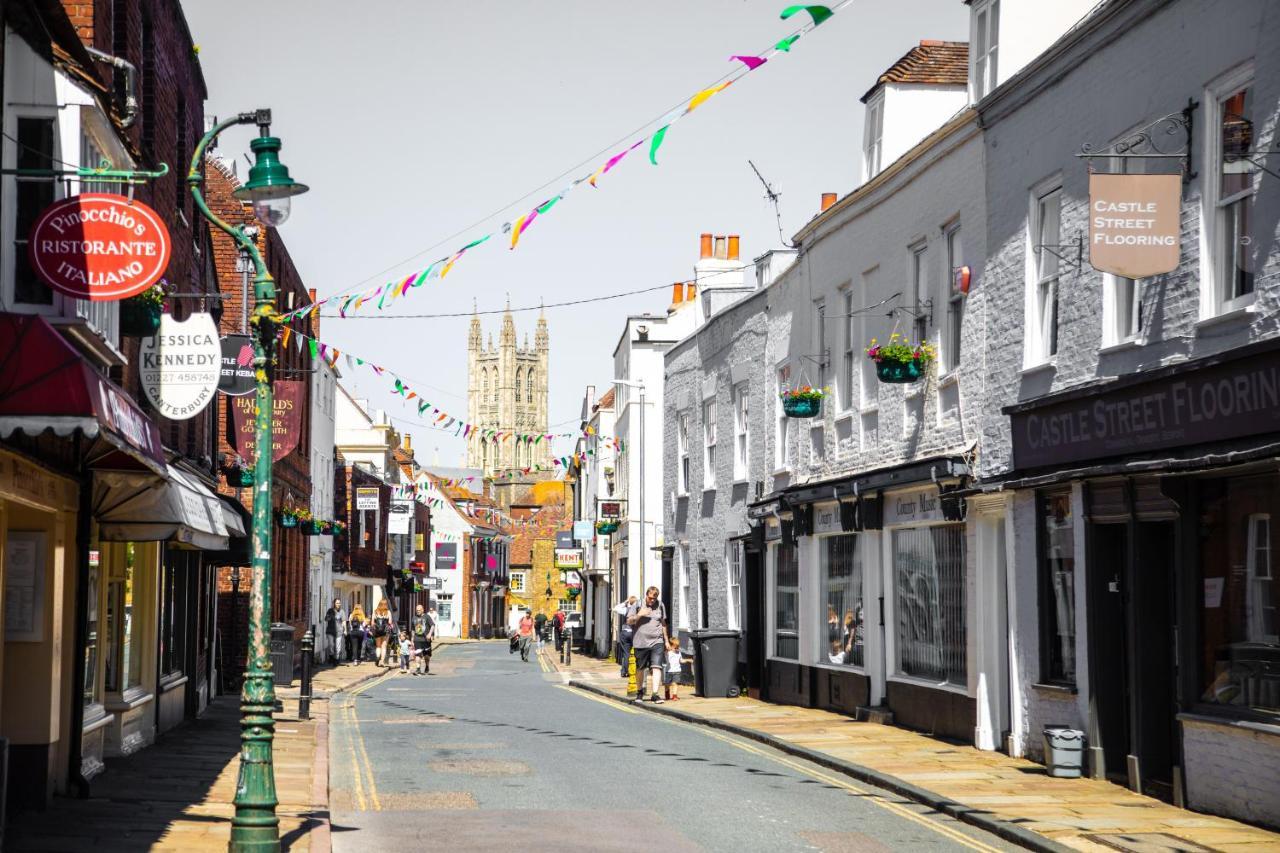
point(282, 645)
point(715, 663)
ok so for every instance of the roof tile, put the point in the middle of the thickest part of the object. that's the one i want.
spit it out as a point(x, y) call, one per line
point(932, 62)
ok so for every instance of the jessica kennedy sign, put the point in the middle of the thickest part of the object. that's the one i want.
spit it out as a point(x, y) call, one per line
point(180, 366)
point(99, 246)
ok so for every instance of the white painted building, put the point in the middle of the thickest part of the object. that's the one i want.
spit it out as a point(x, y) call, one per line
point(596, 477)
point(324, 392)
point(449, 529)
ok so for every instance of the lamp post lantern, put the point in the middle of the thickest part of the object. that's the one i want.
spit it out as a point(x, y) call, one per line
point(269, 188)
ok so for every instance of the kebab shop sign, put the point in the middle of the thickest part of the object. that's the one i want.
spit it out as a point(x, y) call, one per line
point(99, 247)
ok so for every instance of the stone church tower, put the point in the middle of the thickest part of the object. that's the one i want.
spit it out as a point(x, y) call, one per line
point(507, 392)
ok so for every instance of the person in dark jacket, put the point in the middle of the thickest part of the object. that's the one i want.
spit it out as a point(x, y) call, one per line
point(335, 627)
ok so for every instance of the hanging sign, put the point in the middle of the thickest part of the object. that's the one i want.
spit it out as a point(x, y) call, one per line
point(367, 497)
point(180, 366)
point(237, 366)
point(286, 422)
point(611, 509)
point(99, 246)
point(1134, 224)
point(399, 518)
point(446, 556)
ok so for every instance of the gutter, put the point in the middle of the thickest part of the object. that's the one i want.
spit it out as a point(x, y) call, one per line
point(130, 83)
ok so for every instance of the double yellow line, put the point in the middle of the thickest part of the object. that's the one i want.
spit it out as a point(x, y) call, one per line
point(362, 778)
point(813, 773)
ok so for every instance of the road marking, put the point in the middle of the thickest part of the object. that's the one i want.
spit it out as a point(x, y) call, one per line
point(361, 767)
point(875, 799)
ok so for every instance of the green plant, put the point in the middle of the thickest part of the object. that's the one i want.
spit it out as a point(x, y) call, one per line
point(901, 351)
point(804, 392)
point(152, 297)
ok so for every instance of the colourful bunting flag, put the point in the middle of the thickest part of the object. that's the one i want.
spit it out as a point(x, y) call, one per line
point(818, 13)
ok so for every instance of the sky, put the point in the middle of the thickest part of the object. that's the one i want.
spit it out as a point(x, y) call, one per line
point(420, 125)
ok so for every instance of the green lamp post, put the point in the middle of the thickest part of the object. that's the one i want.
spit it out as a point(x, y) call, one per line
point(269, 189)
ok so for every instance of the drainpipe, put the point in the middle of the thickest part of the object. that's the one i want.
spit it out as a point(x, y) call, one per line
point(130, 83)
point(84, 521)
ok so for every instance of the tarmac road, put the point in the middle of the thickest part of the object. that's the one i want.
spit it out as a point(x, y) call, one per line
point(490, 753)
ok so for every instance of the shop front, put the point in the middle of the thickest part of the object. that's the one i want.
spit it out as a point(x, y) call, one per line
point(1180, 671)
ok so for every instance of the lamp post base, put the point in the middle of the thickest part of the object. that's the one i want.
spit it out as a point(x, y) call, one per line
point(255, 826)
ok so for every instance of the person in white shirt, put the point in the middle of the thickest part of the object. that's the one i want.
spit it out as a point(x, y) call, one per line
point(671, 678)
point(626, 632)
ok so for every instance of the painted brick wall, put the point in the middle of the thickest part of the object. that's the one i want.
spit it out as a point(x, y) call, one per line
point(1250, 759)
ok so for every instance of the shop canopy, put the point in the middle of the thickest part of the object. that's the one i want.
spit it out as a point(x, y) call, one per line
point(46, 385)
point(178, 508)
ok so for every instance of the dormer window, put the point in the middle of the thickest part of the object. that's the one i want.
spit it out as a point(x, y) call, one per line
point(872, 135)
point(986, 43)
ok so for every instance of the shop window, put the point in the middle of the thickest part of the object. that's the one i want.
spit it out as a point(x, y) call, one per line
point(173, 620)
point(124, 635)
point(1240, 646)
point(444, 608)
point(35, 148)
point(841, 577)
point(92, 695)
point(929, 590)
point(786, 602)
point(1057, 589)
point(733, 570)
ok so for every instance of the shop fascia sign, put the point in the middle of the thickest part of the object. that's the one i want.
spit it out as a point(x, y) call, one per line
point(913, 507)
point(99, 246)
point(181, 365)
point(568, 558)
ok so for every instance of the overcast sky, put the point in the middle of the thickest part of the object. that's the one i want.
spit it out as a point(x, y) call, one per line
point(412, 121)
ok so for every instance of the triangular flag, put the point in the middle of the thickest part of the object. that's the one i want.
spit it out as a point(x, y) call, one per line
point(818, 13)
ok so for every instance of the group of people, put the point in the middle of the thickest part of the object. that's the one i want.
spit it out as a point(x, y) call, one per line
point(533, 630)
point(379, 639)
point(644, 633)
point(844, 639)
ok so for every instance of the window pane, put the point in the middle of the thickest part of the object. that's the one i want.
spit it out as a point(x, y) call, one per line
point(35, 150)
point(841, 575)
point(1058, 596)
point(786, 602)
point(928, 568)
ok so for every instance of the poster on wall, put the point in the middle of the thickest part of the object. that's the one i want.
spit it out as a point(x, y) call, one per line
point(286, 422)
point(367, 497)
point(446, 556)
point(99, 246)
point(180, 366)
point(1134, 224)
point(24, 586)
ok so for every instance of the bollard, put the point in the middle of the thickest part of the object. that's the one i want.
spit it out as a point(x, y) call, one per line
point(304, 692)
point(633, 687)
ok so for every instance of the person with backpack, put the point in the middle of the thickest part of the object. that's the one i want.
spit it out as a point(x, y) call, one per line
point(424, 631)
point(382, 629)
point(355, 635)
point(539, 623)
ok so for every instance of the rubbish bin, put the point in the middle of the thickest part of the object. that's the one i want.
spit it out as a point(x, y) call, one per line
point(1063, 751)
point(715, 663)
point(282, 645)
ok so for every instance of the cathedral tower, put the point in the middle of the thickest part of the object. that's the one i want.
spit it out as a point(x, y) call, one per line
point(507, 393)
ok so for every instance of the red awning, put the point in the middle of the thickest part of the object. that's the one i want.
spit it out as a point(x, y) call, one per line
point(46, 385)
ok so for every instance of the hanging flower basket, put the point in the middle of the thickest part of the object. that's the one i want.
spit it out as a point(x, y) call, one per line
point(326, 528)
point(313, 527)
point(139, 319)
point(239, 475)
point(288, 519)
point(604, 528)
point(899, 361)
point(803, 402)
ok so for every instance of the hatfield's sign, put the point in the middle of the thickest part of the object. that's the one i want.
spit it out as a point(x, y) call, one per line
point(1134, 223)
point(180, 366)
point(1194, 405)
point(286, 421)
point(99, 246)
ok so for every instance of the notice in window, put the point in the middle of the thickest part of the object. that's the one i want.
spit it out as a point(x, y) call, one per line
point(24, 587)
point(1134, 224)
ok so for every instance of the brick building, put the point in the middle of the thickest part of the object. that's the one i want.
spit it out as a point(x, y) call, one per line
point(538, 514)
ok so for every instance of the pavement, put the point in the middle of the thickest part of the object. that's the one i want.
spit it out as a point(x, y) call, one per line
point(177, 793)
point(490, 753)
point(1010, 797)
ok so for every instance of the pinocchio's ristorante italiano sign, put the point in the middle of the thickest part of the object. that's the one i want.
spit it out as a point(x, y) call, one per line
point(1191, 404)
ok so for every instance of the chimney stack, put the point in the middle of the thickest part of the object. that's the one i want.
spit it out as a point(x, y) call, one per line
point(406, 441)
point(705, 246)
point(733, 247)
point(721, 253)
point(828, 199)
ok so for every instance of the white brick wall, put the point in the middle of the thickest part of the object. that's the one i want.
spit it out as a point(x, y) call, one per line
point(1232, 770)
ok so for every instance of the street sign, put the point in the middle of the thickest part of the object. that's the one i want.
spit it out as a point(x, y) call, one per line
point(367, 497)
point(181, 365)
point(99, 246)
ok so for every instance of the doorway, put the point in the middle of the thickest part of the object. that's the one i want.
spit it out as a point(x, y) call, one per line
point(703, 609)
point(753, 596)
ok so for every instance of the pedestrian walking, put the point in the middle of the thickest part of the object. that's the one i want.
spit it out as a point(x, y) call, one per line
point(335, 629)
point(424, 631)
point(355, 635)
point(526, 636)
point(675, 663)
point(558, 620)
point(649, 618)
point(626, 631)
point(383, 633)
point(406, 652)
point(539, 623)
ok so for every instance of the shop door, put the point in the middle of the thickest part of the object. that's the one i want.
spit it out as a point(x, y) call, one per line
point(753, 595)
point(667, 583)
point(1107, 636)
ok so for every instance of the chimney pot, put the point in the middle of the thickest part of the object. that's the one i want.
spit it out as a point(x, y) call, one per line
point(733, 247)
point(677, 293)
point(828, 199)
point(931, 42)
point(721, 251)
point(692, 294)
point(407, 442)
point(705, 246)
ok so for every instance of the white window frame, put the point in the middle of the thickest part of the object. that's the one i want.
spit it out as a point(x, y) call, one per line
point(773, 607)
point(952, 343)
point(873, 136)
point(1042, 289)
point(686, 586)
point(869, 384)
point(820, 352)
point(782, 443)
point(733, 581)
point(682, 453)
point(1213, 298)
point(1119, 291)
point(516, 582)
point(919, 265)
point(983, 58)
point(709, 444)
point(741, 431)
point(849, 367)
point(1260, 579)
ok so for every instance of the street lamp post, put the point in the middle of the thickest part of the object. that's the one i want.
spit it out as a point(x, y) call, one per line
point(639, 385)
point(269, 188)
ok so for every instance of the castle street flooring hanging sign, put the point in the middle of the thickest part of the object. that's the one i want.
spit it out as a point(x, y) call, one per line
point(1134, 223)
point(180, 366)
point(99, 246)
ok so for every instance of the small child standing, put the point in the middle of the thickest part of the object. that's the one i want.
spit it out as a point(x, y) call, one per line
point(406, 651)
point(671, 678)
